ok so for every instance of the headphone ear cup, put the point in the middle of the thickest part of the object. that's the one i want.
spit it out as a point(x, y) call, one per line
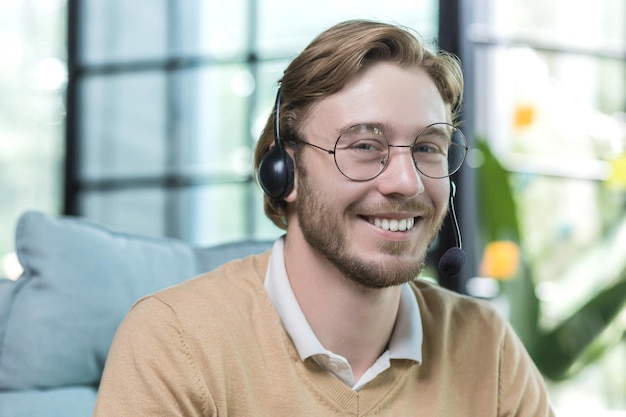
point(276, 173)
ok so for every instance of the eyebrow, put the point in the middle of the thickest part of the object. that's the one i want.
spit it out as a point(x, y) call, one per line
point(384, 127)
point(387, 129)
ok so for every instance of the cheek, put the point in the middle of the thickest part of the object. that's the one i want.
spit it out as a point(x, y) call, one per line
point(322, 174)
point(439, 195)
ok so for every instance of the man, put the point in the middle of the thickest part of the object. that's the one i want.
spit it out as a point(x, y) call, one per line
point(355, 161)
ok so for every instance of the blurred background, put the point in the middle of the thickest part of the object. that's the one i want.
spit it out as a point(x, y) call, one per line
point(143, 115)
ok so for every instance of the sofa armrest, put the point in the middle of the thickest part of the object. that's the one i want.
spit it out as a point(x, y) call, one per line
point(58, 319)
point(67, 402)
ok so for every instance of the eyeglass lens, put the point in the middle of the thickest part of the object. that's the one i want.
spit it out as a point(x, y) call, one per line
point(362, 151)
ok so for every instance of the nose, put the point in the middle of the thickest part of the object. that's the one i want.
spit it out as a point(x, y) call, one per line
point(400, 176)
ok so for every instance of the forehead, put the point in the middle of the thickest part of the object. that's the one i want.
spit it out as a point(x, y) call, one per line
point(405, 100)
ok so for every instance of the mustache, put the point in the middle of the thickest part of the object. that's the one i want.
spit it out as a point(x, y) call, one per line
point(393, 206)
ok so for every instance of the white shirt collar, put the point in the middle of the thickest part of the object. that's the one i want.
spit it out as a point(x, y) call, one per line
point(405, 341)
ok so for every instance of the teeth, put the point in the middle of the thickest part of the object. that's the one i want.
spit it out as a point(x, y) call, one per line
point(393, 225)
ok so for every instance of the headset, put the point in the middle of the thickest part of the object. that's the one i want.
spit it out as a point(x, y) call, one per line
point(452, 261)
point(276, 172)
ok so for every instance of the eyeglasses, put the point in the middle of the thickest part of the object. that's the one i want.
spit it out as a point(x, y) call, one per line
point(362, 151)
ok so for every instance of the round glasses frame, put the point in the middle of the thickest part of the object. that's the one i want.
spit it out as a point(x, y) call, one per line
point(458, 146)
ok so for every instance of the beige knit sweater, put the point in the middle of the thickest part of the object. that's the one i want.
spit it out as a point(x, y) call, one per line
point(214, 346)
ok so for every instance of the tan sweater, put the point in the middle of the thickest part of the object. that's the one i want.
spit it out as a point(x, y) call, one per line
point(214, 346)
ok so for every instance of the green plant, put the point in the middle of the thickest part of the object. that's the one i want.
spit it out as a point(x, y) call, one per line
point(579, 339)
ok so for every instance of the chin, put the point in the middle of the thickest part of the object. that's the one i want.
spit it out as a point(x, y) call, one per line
point(389, 263)
point(382, 274)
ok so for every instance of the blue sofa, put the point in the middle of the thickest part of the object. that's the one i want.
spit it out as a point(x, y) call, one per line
point(58, 319)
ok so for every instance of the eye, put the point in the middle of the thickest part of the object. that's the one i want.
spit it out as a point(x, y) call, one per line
point(367, 145)
point(432, 141)
point(363, 139)
point(427, 148)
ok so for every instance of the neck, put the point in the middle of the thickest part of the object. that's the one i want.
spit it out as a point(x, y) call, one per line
point(348, 319)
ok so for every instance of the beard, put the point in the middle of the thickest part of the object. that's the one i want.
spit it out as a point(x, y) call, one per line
point(321, 228)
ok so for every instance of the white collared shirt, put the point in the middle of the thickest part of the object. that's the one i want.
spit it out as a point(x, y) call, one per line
point(405, 341)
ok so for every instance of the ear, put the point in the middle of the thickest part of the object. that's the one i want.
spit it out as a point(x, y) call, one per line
point(291, 197)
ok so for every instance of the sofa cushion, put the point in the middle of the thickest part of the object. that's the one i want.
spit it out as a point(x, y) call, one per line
point(58, 319)
point(68, 401)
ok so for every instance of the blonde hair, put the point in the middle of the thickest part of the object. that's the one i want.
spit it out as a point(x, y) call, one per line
point(331, 61)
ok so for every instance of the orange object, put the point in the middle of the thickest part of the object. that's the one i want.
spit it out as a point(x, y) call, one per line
point(524, 116)
point(500, 260)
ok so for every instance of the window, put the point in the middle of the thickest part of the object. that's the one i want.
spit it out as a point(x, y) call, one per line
point(32, 111)
point(167, 99)
point(550, 82)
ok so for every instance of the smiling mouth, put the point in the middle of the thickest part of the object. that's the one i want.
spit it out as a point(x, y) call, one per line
point(393, 225)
